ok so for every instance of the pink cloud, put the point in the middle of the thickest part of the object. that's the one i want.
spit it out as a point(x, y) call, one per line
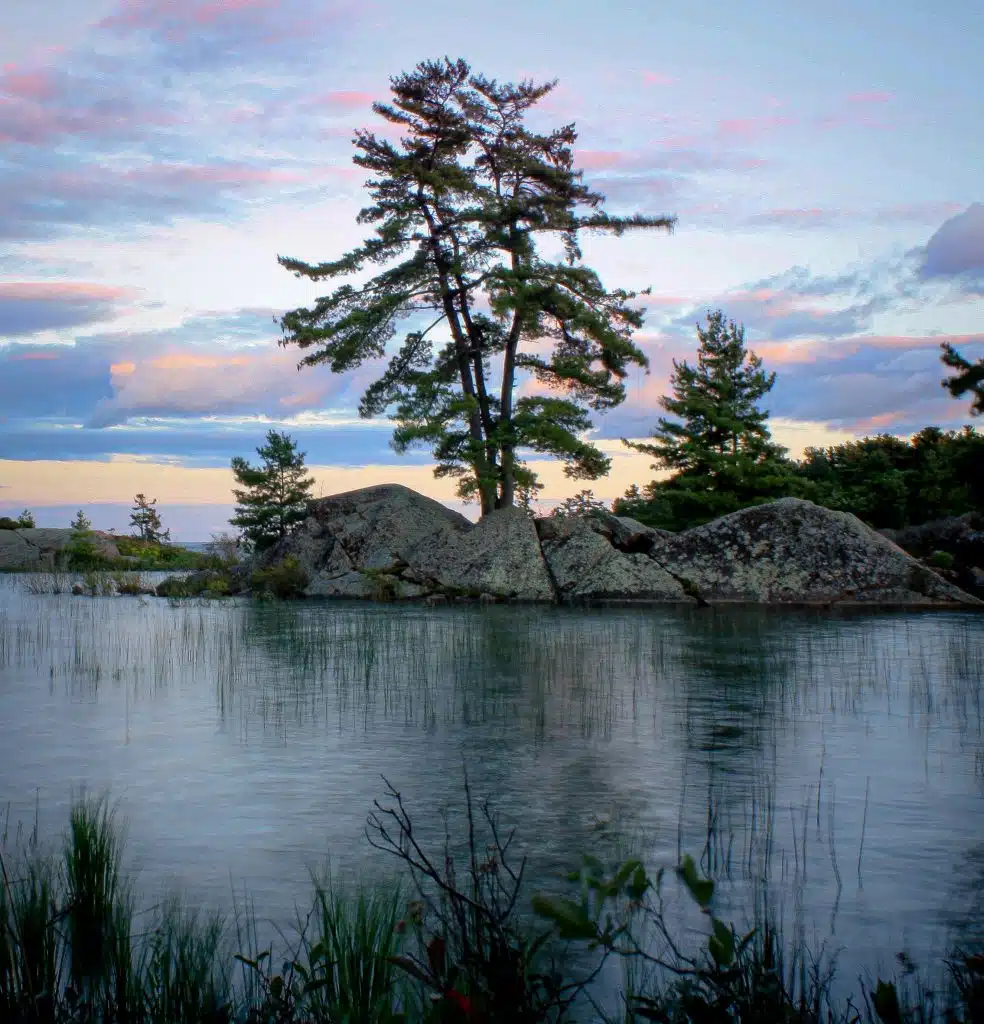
point(27, 85)
point(346, 100)
point(183, 382)
point(55, 291)
point(747, 128)
point(26, 120)
point(137, 14)
point(657, 78)
point(599, 159)
point(864, 98)
point(231, 174)
point(34, 357)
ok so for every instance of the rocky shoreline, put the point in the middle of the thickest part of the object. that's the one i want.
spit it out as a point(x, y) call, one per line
point(391, 543)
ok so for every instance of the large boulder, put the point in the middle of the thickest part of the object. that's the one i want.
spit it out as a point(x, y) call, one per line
point(792, 551)
point(391, 542)
point(41, 549)
point(500, 555)
point(585, 564)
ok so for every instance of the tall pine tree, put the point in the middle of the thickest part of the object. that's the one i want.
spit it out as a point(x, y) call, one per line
point(461, 201)
point(273, 496)
point(718, 440)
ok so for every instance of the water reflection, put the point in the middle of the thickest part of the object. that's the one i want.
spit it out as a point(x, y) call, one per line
point(830, 764)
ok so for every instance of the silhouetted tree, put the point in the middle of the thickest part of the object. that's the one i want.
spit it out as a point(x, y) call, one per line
point(970, 377)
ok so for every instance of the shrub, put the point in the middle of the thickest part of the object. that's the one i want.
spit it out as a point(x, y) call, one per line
point(284, 580)
point(6, 523)
point(940, 560)
point(82, 555)
point(26, 520)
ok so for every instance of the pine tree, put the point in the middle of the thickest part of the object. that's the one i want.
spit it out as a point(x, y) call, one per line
point(470, 229)
point(274, 495)
point(81, 522)
point(718, 442)
point(146, 521)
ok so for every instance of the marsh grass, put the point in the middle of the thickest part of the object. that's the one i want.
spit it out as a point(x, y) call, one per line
point(71, 951)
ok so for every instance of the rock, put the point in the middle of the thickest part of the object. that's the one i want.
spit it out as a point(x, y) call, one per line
point(77, 589)
point(385, 528)
point(627, 535)
point(389, 543)
point(16, 553)
point(584, 564)
point(794, 551)
point(353, 584)
point(499, 555)
point(42, 548)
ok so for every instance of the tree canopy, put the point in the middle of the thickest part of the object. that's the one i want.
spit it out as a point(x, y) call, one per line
point(459, 203)
point(273, 496)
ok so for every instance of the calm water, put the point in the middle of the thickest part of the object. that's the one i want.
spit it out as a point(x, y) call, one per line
point(246, 742)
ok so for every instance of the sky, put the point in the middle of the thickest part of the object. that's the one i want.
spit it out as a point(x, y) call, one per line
point(156, 156)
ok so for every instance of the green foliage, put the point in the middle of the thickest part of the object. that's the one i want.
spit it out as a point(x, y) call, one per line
point(81, 522)
point(284, 580)
point(940, 560)
point(470, 228)
point(969, 377)
point(6, 523)
point(888, 482)
point(146, 520)
point(718, 443)
point(274, 495)
point(82, 555)
point(25, 521)
point(581, 504)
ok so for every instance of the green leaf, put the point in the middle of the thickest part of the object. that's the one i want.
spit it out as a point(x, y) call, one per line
point(571, 918)
point(886, 1002)
point(721, 944)
point(640, 883)
point(701, 889)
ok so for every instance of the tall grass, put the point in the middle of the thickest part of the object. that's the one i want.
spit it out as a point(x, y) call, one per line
point(71, 951)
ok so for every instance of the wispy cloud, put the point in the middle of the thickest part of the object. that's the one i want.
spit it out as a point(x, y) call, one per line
point(28, 307)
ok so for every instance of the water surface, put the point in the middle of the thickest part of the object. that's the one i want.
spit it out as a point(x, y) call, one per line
point(835, 762)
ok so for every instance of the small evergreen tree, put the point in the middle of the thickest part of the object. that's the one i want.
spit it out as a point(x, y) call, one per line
point(25, 521)
point(146, 521)
point(719, 441)
point(81, 523)
point(970, 377)
point(274, 495)
point(581, 504)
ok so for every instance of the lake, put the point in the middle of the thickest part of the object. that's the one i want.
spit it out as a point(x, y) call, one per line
point(834, 762)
